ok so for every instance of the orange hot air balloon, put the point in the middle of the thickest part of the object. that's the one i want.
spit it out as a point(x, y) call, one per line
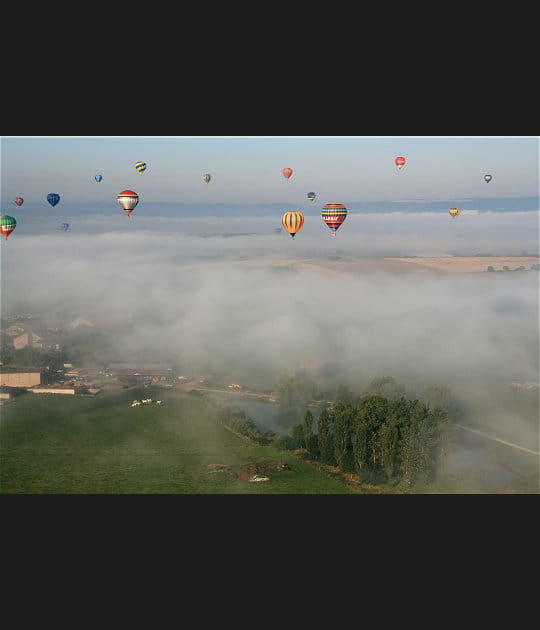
point(400, 161)
point(287, 172)
point(292, 221)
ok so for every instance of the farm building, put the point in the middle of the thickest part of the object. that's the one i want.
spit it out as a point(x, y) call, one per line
point(143, 370)
point(21, 376)
point(54, 389)
point(7, 393)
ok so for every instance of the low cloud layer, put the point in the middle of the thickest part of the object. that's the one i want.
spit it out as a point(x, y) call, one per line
point(165, 289)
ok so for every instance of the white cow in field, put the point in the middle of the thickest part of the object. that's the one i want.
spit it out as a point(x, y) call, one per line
point(136, 403)
point(158, 402)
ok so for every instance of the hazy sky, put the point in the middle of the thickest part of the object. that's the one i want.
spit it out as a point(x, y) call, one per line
point(249, 170)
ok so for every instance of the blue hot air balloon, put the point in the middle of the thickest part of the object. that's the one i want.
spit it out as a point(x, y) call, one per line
point(53, 198)
point(98, 178)
point(65, 226)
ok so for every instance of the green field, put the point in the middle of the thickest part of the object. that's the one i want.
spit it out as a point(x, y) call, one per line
point(64, 444)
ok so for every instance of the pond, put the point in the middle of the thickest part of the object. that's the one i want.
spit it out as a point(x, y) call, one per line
point(262, 413)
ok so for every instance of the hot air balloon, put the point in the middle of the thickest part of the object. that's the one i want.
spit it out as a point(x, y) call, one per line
point(98, 178)
point(333, 214)
point(488, 178)
point(292, 221)
point(19, 201)
point(128, 200)
point(53, 198)
point(141, 167)
point(400, 161)
point(207, 177)
point(454, 212)
point(311, 196)
point(65, 226)
point(7, 225)
point(287, 172)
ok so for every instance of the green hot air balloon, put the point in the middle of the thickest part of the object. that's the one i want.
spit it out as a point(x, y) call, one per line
point(311, 196)
point(7, 225)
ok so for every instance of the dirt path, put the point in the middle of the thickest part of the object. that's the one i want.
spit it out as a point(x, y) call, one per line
point(494, 439)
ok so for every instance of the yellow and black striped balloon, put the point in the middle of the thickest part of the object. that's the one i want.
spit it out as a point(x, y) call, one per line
point(292, 221)
point(454, 212)
point(141, 167)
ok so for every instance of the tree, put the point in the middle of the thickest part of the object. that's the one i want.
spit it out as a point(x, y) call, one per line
point(387, 387)
point(440, 397)
point(325, 437)
point(297, 434)
point(310, 440)
point(369, 431)
point(421, 443)
point(343, 432)
point(344, 395)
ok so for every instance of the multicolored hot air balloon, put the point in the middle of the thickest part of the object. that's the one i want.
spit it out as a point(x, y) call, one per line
point(18, 201)
point(454, 212)
point(287, 172)
point(141, 167)
point(7, 225)
point(488, 178)
point(98, 178)
point(207, 177)
point(400, 161)
point(53, 198)
point(64, 226)
point(311, 196)
point(292, 221)
point(333, 214)
point(128, 200)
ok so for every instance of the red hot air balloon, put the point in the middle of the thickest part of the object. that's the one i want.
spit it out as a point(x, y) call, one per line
point(400, 161)
point(128, 200)
point(287, 172)
point(19, 201)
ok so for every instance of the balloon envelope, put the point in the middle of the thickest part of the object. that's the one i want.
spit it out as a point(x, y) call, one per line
point(207, 177)
point(333, 214)
point(65, 226)
point(287, 172)
point(98, 178)
point(53, 198)
point(141, 167)
point(488, 178)
point(19, 201)
point(311, 196)
point(7, 225)
point(400, 161)
point(128, 200)
point(292, 221)
point(454, 212)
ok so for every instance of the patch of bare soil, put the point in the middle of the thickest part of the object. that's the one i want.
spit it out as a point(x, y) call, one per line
point(247, 472)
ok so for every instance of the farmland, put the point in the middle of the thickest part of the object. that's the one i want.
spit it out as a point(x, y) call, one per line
point(72, 445)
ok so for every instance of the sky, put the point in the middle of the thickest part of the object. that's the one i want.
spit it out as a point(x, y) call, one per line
point(249, 170)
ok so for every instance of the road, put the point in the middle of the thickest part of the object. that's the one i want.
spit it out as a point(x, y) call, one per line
point(494, 439)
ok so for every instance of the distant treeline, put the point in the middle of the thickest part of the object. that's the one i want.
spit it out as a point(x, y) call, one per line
point(238, 421)
point(534, 267)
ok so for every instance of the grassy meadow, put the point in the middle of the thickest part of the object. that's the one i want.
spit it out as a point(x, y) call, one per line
point(75, 445)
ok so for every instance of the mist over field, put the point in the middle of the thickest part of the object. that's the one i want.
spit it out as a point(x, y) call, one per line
point(177, 289)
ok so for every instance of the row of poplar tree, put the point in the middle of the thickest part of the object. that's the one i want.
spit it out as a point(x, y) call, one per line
point(382, 440)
